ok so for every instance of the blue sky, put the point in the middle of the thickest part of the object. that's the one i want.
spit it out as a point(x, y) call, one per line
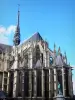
point(53, 19)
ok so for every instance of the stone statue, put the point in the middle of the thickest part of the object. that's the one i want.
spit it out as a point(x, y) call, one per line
point(59, 95)
point(59, 89)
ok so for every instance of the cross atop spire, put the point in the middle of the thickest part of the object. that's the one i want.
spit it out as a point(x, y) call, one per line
point(18, 14)
point(18, 6)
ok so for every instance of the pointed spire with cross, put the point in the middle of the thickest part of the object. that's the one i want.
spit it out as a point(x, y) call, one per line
point(18, 14)
point(17, 32)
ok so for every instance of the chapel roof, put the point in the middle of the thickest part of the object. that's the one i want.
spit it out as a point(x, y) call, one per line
point(34, 38)
point(5, 47)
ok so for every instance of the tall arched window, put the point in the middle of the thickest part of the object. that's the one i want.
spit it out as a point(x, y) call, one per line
point(19, 83)
point(37, 53)
point(11, 77)
point(26, 83)
point(39, 83)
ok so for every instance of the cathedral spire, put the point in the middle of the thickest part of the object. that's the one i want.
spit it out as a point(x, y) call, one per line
point(54, 48)
point(59, 50)
point(65, 57)
point(65, 54)
point(17, 32)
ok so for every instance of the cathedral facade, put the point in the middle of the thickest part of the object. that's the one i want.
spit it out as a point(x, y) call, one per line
point(32, 70)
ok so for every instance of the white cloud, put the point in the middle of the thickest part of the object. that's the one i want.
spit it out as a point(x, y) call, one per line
point(11, 29)
point(5, 32)
point(8, 30)
point(4, 39)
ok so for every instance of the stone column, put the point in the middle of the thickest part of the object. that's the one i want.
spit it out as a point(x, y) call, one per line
point(48, 61)
point(3, 82)
point(35, 83)
point(49, 83)
point(43, 84)
point(8, 82)
point(30, 59)
point(15, 86)
point(15, 93)
point(55, 82)
point(70, 86)
point(30, 84)
point(45, 56)
point(63, 82)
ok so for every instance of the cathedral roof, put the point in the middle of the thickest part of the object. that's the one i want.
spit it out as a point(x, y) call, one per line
point(5, 47)
point(59, 60)
point(34, 38)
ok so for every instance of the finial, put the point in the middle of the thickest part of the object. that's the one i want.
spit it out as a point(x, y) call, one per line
point(18, 14)
point(59, 50)
point(69, 63)
point(18, 6)
point(65, 54)
point(54, 47)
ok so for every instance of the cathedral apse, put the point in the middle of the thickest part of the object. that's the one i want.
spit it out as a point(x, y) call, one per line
point(33, 70)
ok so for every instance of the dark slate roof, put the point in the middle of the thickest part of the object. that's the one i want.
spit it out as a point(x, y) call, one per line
point(38, 64)
point(5, 47)
point(34, 38)
point(59, 60)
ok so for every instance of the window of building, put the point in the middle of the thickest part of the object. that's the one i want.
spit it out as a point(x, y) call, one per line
point(51, 60)
point(39, 83)
point(32, 84)
point(46, 83)
point(1, 80)
point(67, 83)
point(5, 88)
point(37, 53)
point(20, 84)
point(11, 77)
point(5, 74)
point(5, 80)
point(26, 84)
point(42, 57)
point(26, 60)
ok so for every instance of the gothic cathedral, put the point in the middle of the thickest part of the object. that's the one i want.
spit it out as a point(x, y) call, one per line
point(32, 70)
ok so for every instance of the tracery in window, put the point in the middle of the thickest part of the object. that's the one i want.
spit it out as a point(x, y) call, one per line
point(37, 53)
point(51, 60)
